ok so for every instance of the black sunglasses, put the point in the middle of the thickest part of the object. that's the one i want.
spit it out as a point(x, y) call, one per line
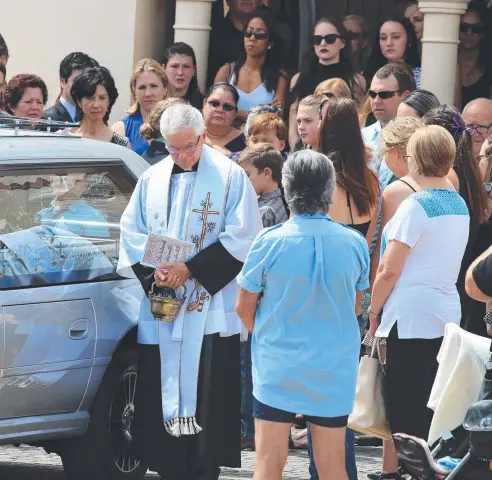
point(384, 95)
point(226, 106)
point(471, 27)
point(257, 35)
point(330, 39)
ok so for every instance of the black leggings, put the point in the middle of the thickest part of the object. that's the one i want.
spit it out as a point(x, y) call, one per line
point(411, 367)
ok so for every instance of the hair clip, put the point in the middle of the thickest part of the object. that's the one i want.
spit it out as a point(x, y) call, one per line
point(459, 127)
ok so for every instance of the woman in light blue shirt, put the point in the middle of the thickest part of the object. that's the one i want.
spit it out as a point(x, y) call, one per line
point(300, 286)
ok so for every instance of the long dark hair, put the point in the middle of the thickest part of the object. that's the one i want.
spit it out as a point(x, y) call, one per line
point(223, 86)
point(340, 138)
point(485, 17)
point(271, 69)
point(465, 165)
point(193, 95)
point(310, 61)
point(376, 60)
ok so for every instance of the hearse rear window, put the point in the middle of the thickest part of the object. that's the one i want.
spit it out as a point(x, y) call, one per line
point(61, 224)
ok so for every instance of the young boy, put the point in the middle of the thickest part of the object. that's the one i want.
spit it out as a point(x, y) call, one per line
point(263, 165)
point(268, 128)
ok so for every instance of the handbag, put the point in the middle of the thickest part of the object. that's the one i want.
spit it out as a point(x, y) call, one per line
point(369, 414)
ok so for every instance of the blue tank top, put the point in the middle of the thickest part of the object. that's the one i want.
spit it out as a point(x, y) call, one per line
point(132, 132)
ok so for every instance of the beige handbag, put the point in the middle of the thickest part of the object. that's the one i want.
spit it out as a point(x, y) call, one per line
point(369, 415)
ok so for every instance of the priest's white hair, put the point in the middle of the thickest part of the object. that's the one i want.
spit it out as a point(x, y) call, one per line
point(308, 178)
point(180, 117)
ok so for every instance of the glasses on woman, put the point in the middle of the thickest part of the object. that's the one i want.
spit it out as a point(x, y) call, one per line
point(330, 39)
point(226, 106)
point(257, 35)
point(475, 28)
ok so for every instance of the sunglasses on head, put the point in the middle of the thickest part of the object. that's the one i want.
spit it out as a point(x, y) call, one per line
point(471, 27)
point(330, 39)
point(226, 106)
point(257, 35)
point(384, 95)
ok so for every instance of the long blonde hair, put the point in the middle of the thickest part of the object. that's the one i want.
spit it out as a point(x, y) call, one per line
point(145, 65)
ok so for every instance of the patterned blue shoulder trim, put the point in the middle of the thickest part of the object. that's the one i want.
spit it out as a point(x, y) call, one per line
point(437, 202)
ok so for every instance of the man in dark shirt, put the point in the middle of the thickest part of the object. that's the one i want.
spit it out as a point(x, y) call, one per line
point(479, 280)
point(226, 37)
point(65, 110)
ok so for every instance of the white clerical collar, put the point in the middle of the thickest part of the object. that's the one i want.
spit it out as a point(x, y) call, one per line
point(70, 108)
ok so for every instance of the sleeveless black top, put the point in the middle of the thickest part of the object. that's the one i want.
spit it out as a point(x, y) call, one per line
point(306, 84)
point(482, 88)
point(360, 227)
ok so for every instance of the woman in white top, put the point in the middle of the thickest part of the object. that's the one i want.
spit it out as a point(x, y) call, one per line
point(415, 286)
point(257, 76)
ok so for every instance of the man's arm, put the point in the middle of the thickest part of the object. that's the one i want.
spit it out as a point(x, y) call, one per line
point(246, 305)
point(145, 275)
point(214, 267)
point(478, 283)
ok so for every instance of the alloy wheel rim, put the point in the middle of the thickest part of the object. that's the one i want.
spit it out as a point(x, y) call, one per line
point(120, 422)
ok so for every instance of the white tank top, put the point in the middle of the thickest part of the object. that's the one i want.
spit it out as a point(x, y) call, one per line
point(259, 96)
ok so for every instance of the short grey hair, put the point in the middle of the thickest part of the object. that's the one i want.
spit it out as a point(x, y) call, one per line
point(309, 180)
point(179, 117)
point(255, 111)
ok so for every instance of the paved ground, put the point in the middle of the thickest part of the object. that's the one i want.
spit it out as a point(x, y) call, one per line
point(30, 463)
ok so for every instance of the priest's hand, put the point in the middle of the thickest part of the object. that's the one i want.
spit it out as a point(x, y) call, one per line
point(178, 269)
point(164, 279)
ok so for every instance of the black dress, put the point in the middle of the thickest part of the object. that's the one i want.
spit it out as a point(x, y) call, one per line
point(155, 153)
point(482, 88)
point(193, 457)
point(306, 84)
point(237, 144)
point(468, 257)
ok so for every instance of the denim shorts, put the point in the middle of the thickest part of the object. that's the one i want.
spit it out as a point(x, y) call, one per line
point(271, 414)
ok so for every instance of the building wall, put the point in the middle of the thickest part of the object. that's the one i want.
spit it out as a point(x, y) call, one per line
point(115, 32)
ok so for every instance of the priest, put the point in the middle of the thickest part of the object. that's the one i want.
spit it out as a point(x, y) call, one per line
point(187, 405)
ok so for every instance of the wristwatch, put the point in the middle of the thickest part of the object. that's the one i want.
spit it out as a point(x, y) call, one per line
point(488, 319)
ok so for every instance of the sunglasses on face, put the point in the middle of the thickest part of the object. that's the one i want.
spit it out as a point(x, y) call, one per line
point(226, 106)
point(476, 28)
point(384, 95)
point(330, 39)
point(257, 35)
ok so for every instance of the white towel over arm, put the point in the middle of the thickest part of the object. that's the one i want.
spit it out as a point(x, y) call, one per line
point(462, 360)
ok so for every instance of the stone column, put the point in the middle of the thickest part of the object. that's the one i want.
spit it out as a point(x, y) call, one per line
point(193, 27)
point(440, 46)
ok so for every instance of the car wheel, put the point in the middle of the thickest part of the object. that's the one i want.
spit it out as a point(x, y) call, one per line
point(105, 450)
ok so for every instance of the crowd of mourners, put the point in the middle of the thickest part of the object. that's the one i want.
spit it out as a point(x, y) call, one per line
point(410, 177)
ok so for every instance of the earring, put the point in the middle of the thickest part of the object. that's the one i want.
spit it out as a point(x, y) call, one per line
point(269, 47)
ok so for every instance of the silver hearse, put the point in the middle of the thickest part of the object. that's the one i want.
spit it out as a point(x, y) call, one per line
point(68, 321)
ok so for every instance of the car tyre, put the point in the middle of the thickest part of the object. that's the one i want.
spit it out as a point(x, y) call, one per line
point(103, 453)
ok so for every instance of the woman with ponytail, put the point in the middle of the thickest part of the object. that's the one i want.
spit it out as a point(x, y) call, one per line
point(466, 178)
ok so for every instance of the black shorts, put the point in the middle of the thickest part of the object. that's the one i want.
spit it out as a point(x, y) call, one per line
point(271, 414)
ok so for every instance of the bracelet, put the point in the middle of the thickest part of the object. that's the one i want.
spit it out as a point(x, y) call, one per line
point(374, 314)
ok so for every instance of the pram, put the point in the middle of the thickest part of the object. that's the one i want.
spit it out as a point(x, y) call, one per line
point(472, 443)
